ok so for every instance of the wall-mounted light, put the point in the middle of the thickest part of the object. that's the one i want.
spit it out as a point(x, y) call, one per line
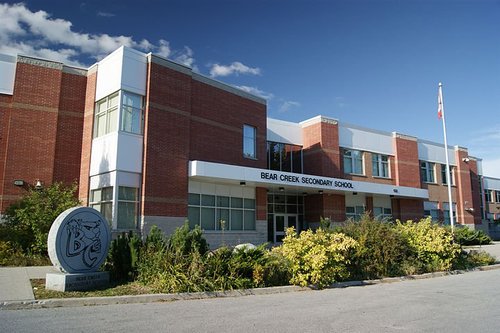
point(242, 183)
point(466, 159)
point(19, 182)
point(320, 191)
point(282, 189)
point(395, 190)
point(354, 193)
point(38, 184)
point(470, 209)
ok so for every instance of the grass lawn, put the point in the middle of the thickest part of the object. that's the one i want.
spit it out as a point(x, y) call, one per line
point(131, 288)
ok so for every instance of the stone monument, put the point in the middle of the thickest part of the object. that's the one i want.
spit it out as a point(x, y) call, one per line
point(78, 244)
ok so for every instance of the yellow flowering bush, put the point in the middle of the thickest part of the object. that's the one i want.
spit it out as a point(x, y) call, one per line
point(318, 258)
point(432, 244)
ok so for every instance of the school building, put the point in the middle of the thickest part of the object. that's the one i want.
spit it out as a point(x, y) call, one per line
point(150, 142)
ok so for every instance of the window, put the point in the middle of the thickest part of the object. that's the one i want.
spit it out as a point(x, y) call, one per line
point(488, 195)
point(497, 196)
point(213, 212)
point(354, 212)
point(106, 115)
point(427, 172)
point(446, 215)
point(132, 113)
point(380, 165)
point(128, 200)
point(443, 175)
point(433, 213)
point(249, 141)
point(353, 162)
point(382, 213)
point(102, 200)
point(284, 157)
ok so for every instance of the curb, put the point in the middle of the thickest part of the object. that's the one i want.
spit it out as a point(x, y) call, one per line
point(150, 298)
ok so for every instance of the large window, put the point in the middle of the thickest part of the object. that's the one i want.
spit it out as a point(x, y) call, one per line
point(497, 196)
point(382, 213)
point(102, 200)
point(427, 172)
point(488, 195)
point(353, 162)
point(249, 141)
point(213, 212)
point(380, 165)
point(443, 175)
point(128, 200)
point(433, 213)
point(284, 157)
point(132, 113)
point(354, 212)
point(106, 115)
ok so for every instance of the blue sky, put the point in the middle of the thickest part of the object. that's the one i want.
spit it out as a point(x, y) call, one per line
point(371, 63)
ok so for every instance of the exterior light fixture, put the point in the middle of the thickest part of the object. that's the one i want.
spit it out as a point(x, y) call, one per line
point(354, 193)
point(320, 191)
point(466, 159)
point(395, 190)
point(281, 189)
point(242, 183)
point(38, 184)
point(19, 182)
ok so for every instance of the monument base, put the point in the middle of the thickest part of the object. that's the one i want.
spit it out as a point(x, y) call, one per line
point(76, 281)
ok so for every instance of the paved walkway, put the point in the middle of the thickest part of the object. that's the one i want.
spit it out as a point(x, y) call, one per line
point(15, 281)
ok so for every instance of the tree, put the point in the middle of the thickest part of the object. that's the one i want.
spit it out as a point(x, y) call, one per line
point(28, 221)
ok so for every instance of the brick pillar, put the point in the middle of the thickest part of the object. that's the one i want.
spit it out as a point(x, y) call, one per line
point(325, 205)
point(88, 124)
point(465, 199)
point(369, 205)
point(261, 203)
point(321, 147)
point(406, 164)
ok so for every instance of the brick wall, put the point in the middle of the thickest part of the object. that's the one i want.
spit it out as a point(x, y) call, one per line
point(406, 165)
point(465, 198)
point(32, 148)
point(321, 148)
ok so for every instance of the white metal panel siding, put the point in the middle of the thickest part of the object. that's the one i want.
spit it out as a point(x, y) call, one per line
point(104, 154)
point(491, 183)
point(109, 74)
point(433, 152)
point(129, 155)
point(134, 68)
point(7, 74)
point(284, 131)
point(359, 139)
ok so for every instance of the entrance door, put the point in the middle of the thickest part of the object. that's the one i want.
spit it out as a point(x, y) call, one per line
point(281, 223)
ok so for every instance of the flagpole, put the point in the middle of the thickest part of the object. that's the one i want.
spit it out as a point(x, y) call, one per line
point(448, 173)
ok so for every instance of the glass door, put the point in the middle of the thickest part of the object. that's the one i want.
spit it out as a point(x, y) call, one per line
point(281, 223)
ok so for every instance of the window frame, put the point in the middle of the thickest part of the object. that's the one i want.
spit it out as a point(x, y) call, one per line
point(108, 202)
point(247, 140)
point(348, 154)
point(134, 201)
point(381, 165)
point(428, 169)
point(443, 175)
point(124, 109)
point(106, 114)
point(497, 196)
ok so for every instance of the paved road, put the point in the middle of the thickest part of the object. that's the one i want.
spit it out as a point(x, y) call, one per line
point(461, 303)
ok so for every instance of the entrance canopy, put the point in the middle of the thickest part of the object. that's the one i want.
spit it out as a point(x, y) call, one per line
point(225, 173)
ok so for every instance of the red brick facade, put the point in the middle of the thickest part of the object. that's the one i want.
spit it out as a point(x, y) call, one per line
point(41, 127)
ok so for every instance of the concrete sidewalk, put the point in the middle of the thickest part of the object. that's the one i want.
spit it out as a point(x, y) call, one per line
point(15, 281)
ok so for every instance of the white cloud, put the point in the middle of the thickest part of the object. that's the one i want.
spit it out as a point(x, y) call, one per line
point(38, 34)
point(105, 14)
point(235, 68)
point(287, 105)
point(256, 91)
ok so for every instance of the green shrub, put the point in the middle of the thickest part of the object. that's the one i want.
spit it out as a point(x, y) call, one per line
point(28, 221)
point(318, 258)
point(473, 258)
point(184, 240)
point(431, 245)
point(275, 270)
point(123, 257)
point(382, 251)
point(13, 256)
point(466, 236)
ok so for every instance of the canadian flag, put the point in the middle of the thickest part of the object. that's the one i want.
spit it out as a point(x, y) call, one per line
point(440, 102)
